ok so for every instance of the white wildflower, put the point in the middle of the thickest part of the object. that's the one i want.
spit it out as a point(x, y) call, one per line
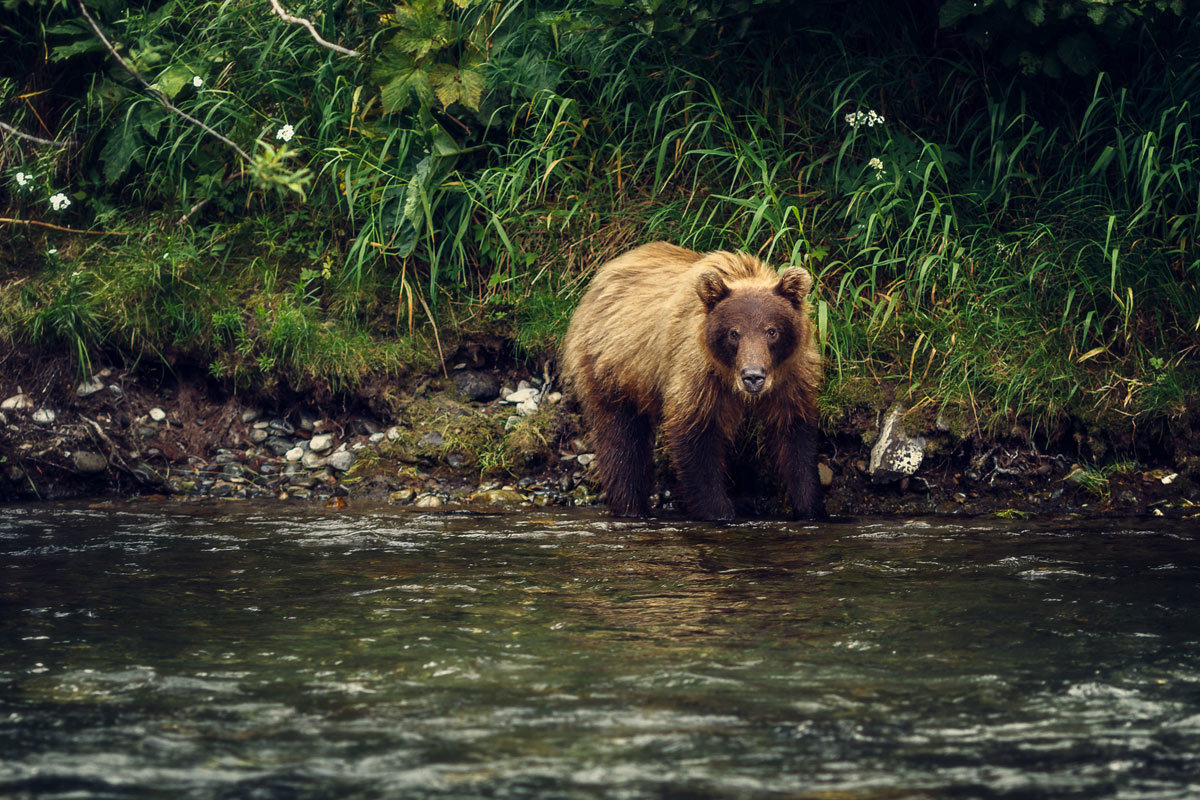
point(59, 201)
point(23, 178)
point(869, 118)
point(285, 133)
point(197, 81)
point(52, 251)
point(875, 164)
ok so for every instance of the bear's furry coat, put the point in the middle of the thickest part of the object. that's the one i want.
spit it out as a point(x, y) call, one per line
point(668, 334)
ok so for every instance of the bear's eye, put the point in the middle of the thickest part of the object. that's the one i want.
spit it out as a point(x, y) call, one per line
point(734, 335)
point(772, 333)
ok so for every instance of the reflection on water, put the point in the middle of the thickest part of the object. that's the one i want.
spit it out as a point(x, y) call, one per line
point(217, 653)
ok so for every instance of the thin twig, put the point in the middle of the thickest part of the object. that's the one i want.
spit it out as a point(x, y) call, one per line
point(162, 98)
point(4, 126)
point(186, 218)
point(41, 224)
point(286, 17)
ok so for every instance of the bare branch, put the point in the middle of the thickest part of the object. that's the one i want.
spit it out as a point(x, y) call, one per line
point(51, 225)
point(286, 17)
point(162, 98)
point(4, 126)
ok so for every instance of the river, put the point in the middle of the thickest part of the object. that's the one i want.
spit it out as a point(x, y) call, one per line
point(235, 651)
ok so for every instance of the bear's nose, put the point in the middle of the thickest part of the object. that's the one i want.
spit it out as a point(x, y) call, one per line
point(754, 378)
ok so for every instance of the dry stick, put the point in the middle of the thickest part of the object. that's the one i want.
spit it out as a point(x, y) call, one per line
point(162, 98)
point(12, 221)
point(286, 17)
point(4, 126)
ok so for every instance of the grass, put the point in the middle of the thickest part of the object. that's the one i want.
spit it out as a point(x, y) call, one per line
point(992, 248)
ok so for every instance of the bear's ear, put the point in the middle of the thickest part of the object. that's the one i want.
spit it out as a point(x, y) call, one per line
point(711, 288)
point(794, 284)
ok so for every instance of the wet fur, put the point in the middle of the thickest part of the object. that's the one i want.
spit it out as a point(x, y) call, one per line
point(649, 344)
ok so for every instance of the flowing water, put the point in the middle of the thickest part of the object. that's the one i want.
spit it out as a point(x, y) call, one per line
point(231, 652)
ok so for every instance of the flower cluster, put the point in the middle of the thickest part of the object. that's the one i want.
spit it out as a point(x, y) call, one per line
point(24, 179)
point(875, 164)
point(285, 133)
point(868, 118)
point(197, 81)
point(59, 201)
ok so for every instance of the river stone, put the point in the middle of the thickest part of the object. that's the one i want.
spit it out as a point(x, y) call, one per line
point(157, 414)
point(251, 414)
point(896, 455)
point(433, 439)
point(428, 501)
point(278, 446)
point(321, 442)
point(89, 387)
point(393, 433)
point(44, 416)
point(307, 421)
point(312, 460)
point(283, 426)
point(88, 462)
point(341, 460)
point(295, 454)
point(376, 438)
point(18, 402)
point(498, 497)
point(258, 436)
point(481, 387)
point(825, 474)
point(521, 395)
point(527, 407)
point(303, 479)
point(584, 459)
point(402, 495)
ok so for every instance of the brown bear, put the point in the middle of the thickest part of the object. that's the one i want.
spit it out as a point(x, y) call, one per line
point(694, 341)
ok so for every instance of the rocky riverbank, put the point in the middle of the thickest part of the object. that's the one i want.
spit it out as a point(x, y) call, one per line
point(505, 437)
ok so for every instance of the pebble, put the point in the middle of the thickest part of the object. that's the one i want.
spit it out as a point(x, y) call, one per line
point(251, 414)
point(521, 395)
point(583, 459)
point(341, 460)
point(44, 416)
point(312, 460)
point(157, 414)
point(18, 402)
point(393, 433)
point(89, 387)
point(428, 501)
point(295, 454)
point(307, 421)
point(88, 462)
point(825, 475)
point(498, 497)
point(283, 426)
point(262, 425)
point(479, 386)
point(258, 436)
point(511, 422)
point(376, 438)
point(321, 442)
point(527, 407)
point(278, 446)
point(402, 495)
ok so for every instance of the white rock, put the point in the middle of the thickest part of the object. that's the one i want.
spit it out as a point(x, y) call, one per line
point(554, 397)
point(89, 388)
point(312, 460)
point(44, 416)
point(585, 458)
point(895, 454)
point(1167, 480)
point(376, 438)
point(521, 395)
point(321, 442)
point(393, 433)
point(428, 501)
point(18, 402)
point(524, 385)
point(511, 422)
point(342, 460)
point(295, 454)
point(527, 407)
point(157, 414)
point(251, 414)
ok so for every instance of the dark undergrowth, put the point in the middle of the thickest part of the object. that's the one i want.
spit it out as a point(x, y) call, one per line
point(1008, 251)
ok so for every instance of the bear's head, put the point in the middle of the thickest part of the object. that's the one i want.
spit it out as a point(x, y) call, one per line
point(752, 330)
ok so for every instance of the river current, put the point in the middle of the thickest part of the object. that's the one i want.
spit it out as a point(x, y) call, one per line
point(235, 652)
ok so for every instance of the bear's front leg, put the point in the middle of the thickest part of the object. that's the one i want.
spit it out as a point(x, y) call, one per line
point(797, 463)
point(698, 455)
point(624, 441)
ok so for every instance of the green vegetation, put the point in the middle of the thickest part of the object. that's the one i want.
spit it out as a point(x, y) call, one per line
point(1008, 236)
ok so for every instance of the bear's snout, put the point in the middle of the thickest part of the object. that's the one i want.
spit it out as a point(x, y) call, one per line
point(754, 379)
